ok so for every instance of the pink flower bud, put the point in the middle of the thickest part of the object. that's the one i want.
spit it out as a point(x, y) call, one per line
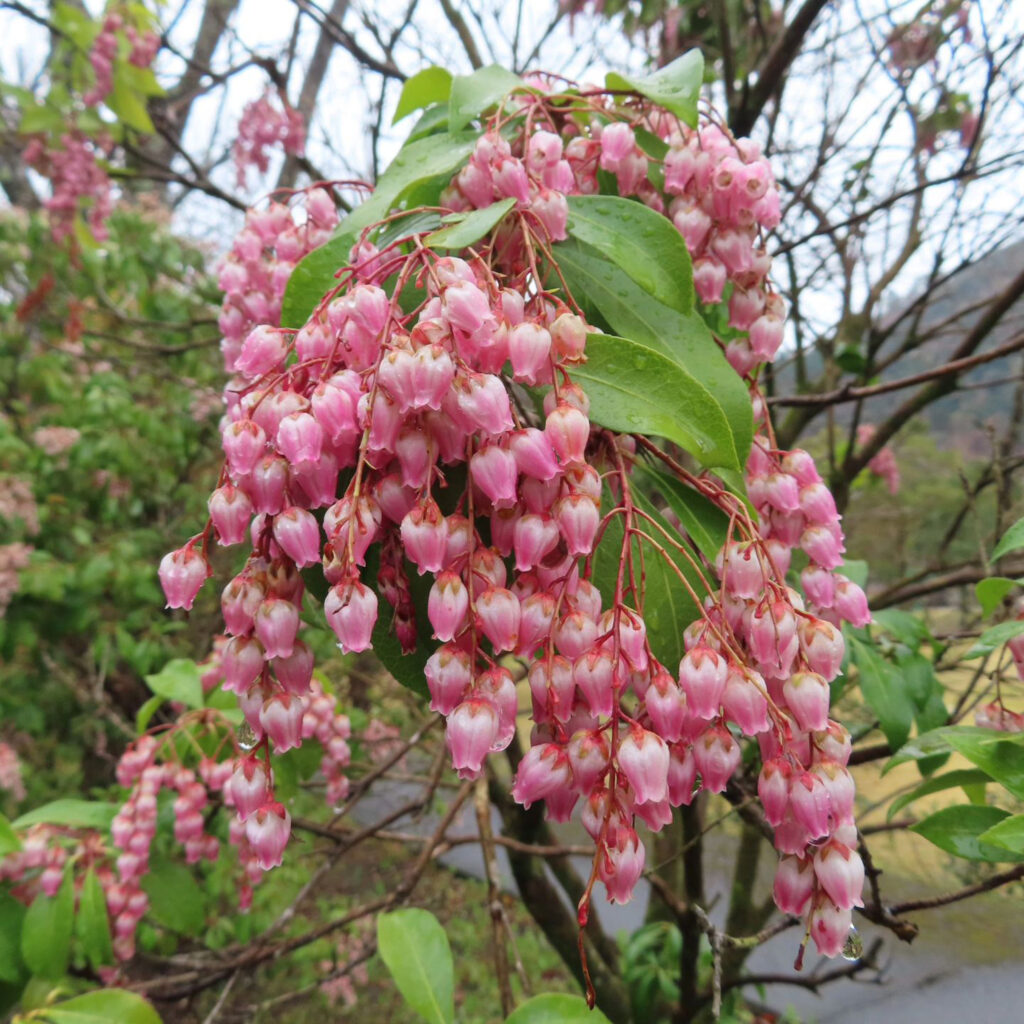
point(574, 634)
point(703, 674)
point(568, 430)
point(621, 864)
point(644, 758)
point(300, 438)
point(744, 701)
point(617, 141)
point(807, 696)
point(244, 443)
point(351, 610)
point(296, 531)
point(295, 672)
point(534, 538)
point(766, 334)
point(447, 605)
point(543, 770)
point(425, 537)
point(537, 615)
point(682, 774)
point(230, 512)
point(850, 603)
point(334, 409)
point(466, 306)
point(717, 755)
point(708, 279)
point(820, 587)
point(632, 639)
point(552, 210)
point(242, 662)
point(823, 545)
point(276, 622)
point(268, 830)
point(449, 674)
point(810, 803)
point(263, 350)
point(666, 707)
point(578, 518)
point(823, 646)
point(497, 615)
point(510, 179)
point(248, 789)
point(493, 470)
point(181, 574)
point(773, 785)
point(281, 718)
point(471, 732)
point(267, 485)
point(480, 402)
point(529, 347)
point(829, 926)
point(552, 687)
point(594, 672)
point(794, 883)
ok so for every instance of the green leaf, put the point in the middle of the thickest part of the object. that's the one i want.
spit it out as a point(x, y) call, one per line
point(40, 118)
point(676, 86)
point(12, 916)
point(994, 637)
point(957, 830)
point(991, 592)
point(635, 389)
point(939, 741)
point(556, 1008)
point(1012, 540)
point(668, 606)
point(176, 899)
point(145, 714)
point(129, 107)
point(92, 924)
point(179, 680)
point(408, 669)
point(606, 292)
point(642, 243)
point(882, 686)
point(415, 948)
point(72, 813)
point(1002, 760)
point(106, 1006)
point(469, 227)
point(431, 85)
point(472, 94)
point(9, 842)
point(706, 524)
point(46, 931)
point(909, 629)
point(951, 780)
point(416, 162)
point(1008, 834)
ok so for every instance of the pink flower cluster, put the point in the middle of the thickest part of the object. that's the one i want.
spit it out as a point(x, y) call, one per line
point(449, 475)
point(10, 766)
point(78, 183)
point(265, 124)
point(884, 464)
point(101, 57)
point(255, 273)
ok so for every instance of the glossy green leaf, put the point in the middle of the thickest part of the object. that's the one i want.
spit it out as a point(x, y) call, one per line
point(706, 524)
point(883, 688)
point(951, 780)
point(9, 842)
point(990, 592)
point(668, 606)
point(12, 916)
point(676, 86)
point(431, 85)
point(408, 669)
point(906, 627)
point(1002, 760)
point(472, 94)
point(642, 243)
point(994, 637)
point(179, 680)
point(1008, 834)
point(635, 389)
point(958, 831)
point(940, 741)
point(1012, 540)
point(176, 899)
point(92, 924)
point(129, 107)
point(415, 949)
point(469, 227)
point(105, 1006)
point(46, 931)
point(608, 294)
point(556, 1008)
point(416, 162)
point(145, 714)
point(72, 813)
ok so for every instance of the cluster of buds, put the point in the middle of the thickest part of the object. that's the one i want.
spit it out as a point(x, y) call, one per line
point(884, 464)
point(255, 272)
point(265, 125)
point(78, 182)
point(101, 57)
point(398, 439)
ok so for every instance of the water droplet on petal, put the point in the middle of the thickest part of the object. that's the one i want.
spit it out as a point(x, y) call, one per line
point(247, 739)
point(853, 948)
